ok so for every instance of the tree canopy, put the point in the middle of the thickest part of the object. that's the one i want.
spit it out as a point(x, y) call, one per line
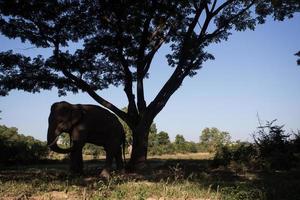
point(117, 42)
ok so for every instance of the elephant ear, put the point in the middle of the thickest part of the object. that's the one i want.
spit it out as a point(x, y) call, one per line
point(76, 116)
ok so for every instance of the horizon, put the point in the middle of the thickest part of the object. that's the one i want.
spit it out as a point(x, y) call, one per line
point(254, 72)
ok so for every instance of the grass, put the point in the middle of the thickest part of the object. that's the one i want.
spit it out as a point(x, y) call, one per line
point(172, 177)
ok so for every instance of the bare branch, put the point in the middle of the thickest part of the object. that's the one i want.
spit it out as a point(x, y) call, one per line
point(213, 6)
point(150, 55)
point(221, 7)
point(206, 9)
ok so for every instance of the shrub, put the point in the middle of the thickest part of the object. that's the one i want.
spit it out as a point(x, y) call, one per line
point(274, 147)
point(241, 153)
point(272, 150)
point(19, 148)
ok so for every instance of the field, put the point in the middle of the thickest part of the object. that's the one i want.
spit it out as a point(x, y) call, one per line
point(182, 176)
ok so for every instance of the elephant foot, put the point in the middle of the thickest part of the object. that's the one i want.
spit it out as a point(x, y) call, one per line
point(105, 173)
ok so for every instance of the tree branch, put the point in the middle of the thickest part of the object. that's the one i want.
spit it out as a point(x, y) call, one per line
point(128, 80)
point(151, 54)
point(141, 103)
point(85, 87)
point(219, 30)
point(213, 6)
point(226, 3)
point(177, 77)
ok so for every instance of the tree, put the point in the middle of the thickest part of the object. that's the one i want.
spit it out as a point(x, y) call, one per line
point(65, 140)
point(16, 147)
point(212, 138)
point(163, 138)
point(153, 136)
point(179, 143)
point(274, 146)
point(117, 42)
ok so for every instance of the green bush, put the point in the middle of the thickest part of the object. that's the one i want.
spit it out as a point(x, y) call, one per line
point(19, 148)
point(274, 146)
point(272, 150)
point(241, 153)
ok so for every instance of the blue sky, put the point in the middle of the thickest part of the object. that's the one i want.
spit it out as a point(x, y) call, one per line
point(254, 72)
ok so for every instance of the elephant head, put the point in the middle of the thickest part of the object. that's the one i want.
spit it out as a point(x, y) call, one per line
point(62, 119)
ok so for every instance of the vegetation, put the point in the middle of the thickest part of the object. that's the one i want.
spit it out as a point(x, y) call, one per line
point(272, 150)
point(169, 179)
point(17, 148)
point(237, 170)
point(211, 139)
point(116, 46)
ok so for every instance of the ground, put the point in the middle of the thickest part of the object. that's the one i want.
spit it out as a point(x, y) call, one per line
point(183, 176)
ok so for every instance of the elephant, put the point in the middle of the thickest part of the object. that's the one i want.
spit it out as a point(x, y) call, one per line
point(86, 124)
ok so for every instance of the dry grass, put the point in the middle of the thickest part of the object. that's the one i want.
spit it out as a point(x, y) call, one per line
point(188, 156)
point(182, 176)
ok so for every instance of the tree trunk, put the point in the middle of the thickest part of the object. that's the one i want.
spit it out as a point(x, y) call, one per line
point(139, 146)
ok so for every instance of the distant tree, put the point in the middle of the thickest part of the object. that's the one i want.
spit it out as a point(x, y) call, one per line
point(93, 150)
point(179, 143)
point(163, 138)
point(191, 147)
point(179, 139)
point(65, 140)
point(117, 43)
point(296, 141)
point(212, 138)
point(15, 147)
point(152, 136)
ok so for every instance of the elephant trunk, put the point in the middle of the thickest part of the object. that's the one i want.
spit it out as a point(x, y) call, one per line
point(52, 139)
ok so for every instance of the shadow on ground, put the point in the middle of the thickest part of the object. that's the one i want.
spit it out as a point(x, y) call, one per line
point(232, 183)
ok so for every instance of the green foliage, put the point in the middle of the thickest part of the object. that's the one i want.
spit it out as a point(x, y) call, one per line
point(163, 138)
point(19, 148)
point(272, 150)
point(180, 143)
point(242, 192)
point(93, 150)
point(159, 143)
point(241, 153)
point(212, 138)
point(128, 132)
point(274, 146)
point(64, 140)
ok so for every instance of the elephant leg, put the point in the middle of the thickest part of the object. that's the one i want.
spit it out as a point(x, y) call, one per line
point(119, 159)
point(76, 165)
point(108, 164)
